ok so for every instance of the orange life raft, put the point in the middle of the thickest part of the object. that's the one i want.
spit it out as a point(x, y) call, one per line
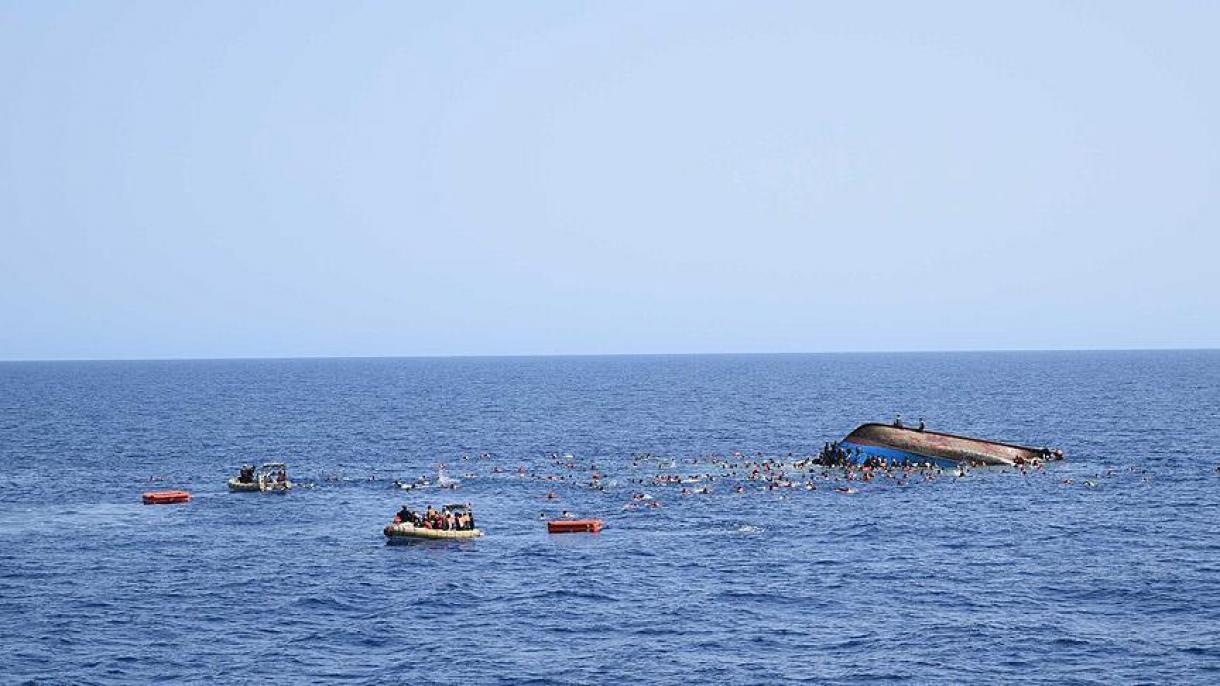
point(574, 526)
point(165, 497)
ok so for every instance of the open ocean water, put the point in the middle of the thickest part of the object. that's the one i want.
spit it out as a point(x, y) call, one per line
point(996, 577)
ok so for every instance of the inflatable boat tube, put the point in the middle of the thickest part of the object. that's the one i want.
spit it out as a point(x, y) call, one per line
point(401, 531)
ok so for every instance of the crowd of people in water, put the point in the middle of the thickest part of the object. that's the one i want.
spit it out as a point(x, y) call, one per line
point(835, 467)
point(448, 518)
point(646, 478)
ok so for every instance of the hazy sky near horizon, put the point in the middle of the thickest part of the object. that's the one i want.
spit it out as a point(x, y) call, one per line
point(278, 179)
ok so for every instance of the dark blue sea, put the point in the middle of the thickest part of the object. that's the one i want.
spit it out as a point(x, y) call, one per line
point(1101, 569)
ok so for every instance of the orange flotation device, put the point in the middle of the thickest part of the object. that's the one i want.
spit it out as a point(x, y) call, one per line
point(574, 526)
point(166, 497)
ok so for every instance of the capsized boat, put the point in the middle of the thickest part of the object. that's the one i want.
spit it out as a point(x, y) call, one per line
point(263, 479)
point(916, 445)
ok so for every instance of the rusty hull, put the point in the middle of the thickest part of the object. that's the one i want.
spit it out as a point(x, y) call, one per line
point(941, 446)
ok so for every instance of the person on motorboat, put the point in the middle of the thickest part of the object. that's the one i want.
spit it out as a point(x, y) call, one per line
point(246, 476)
point(898, 420)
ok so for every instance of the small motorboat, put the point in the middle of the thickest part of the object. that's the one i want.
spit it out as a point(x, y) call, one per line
point(166, 497)
point(574, 526)
point(265, 478)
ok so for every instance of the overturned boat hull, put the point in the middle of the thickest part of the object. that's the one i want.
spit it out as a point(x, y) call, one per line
point(901, 443)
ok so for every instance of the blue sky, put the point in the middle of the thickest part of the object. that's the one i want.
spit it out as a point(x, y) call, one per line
point(278, 179)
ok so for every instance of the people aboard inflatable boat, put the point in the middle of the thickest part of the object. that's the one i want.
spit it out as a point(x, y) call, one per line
point(449, 518)
point(452, 521)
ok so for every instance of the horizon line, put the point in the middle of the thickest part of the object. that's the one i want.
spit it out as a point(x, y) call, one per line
point(254, 358)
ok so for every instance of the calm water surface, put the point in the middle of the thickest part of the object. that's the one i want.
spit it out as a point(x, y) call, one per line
point(992, 578)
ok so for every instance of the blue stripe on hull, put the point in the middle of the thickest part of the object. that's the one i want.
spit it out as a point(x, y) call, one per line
point(891, 454)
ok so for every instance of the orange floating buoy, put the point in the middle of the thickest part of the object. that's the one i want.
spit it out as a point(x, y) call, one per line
point(166, 497)
point(574, 526)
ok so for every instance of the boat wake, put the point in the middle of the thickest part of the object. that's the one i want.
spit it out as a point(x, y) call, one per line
point(445, 481)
